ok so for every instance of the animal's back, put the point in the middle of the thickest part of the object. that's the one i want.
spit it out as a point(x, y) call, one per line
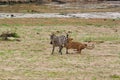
point(73, 45)
point(59, 40)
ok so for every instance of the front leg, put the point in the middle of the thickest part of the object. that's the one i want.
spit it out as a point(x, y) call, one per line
point(66, 50)
point(60, 49)
point(79, 51)
point(53, 49)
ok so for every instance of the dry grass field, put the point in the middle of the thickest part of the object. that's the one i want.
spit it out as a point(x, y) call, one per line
point(57, 8)
point(31, 59)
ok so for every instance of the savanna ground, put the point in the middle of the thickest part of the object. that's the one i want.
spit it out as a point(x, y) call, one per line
point(31, 59)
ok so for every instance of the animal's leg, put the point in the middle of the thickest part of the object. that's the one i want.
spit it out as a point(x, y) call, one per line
point(79, 51)
point(66, 51)
point(60, 49)
point(53, 49)
point(50, 42)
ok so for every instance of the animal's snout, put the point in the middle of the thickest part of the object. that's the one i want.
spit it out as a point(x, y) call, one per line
point(51, 42)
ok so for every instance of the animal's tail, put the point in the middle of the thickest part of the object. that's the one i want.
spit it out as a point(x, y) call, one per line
point(90, 46)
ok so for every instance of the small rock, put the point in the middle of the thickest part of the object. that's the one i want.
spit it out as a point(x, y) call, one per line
point(11, 38)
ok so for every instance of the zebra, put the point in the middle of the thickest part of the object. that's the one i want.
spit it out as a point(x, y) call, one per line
point(58, 41)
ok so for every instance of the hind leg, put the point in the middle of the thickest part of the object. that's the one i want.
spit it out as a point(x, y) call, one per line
point(79, 51)
point(60, 49)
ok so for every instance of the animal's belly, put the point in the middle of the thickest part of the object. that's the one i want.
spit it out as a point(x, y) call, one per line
point(71, 47)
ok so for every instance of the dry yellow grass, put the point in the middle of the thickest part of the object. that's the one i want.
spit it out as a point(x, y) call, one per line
point(33, 8)
point(59, 22)
point(31, 59)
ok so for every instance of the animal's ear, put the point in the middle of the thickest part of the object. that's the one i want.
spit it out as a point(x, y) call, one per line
point(57, 31)
point(67, 35)
point(69, 31)
point(52, 33)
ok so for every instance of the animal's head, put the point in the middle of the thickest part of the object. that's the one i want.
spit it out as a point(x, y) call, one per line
point(67, 33)
point(83, 46)
point(52, 35)
point(70, 39)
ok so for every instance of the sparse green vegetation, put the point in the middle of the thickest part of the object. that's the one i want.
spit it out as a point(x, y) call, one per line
point(115, 76)
point(102, 38)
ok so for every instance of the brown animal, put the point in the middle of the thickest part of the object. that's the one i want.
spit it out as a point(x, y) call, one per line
point(76, 45)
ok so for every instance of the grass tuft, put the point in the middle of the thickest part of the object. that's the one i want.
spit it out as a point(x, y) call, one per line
point(115, 76)
point(101, 38)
